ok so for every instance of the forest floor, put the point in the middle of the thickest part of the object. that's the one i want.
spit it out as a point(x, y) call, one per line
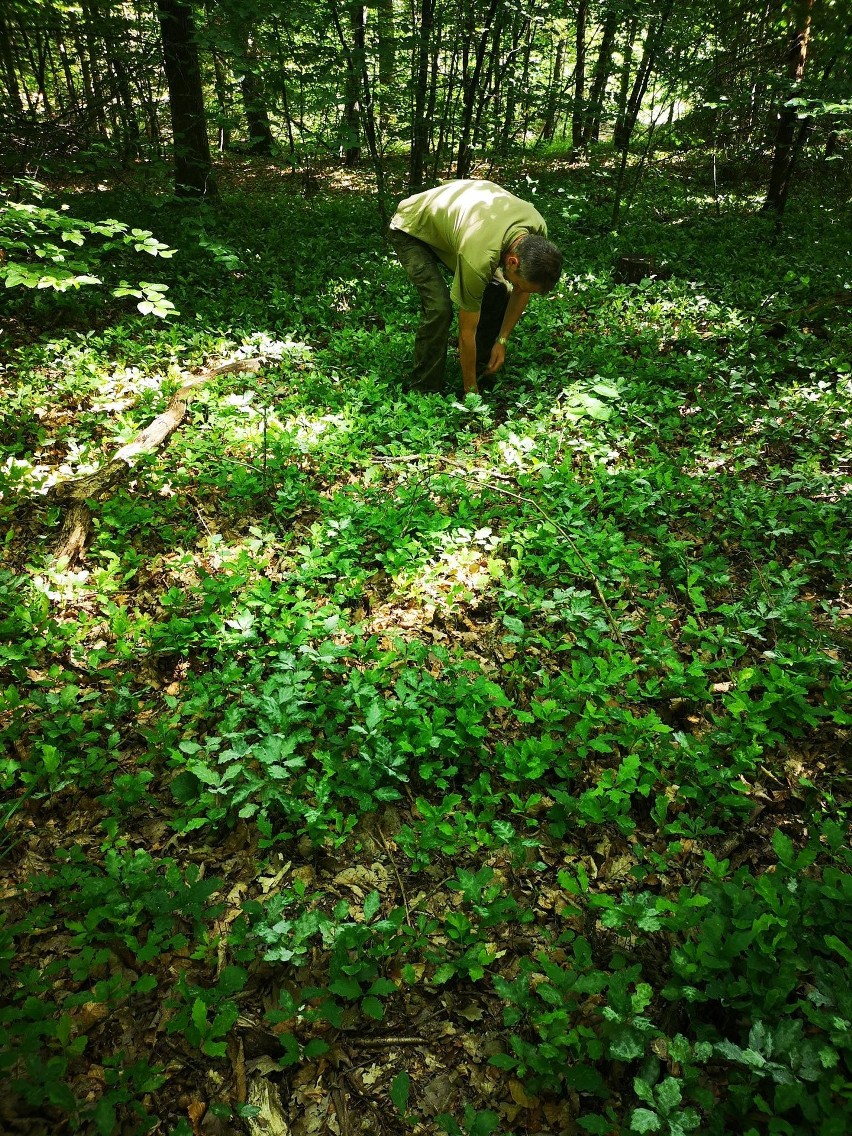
point(386, 763)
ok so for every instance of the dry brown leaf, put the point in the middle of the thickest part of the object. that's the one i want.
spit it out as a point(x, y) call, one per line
point(520, 1096)
point(195, 1110)
point(471, 1012)
point(437, 1094)
point(89, 1014)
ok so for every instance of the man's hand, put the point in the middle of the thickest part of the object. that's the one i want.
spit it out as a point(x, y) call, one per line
point(498, 358)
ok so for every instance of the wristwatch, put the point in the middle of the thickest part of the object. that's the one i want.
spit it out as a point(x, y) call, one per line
point(502, 340)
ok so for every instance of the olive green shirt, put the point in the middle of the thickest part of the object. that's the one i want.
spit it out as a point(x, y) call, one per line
point(468, 224)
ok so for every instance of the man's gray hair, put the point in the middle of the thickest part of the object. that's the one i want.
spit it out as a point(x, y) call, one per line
point(539, 261)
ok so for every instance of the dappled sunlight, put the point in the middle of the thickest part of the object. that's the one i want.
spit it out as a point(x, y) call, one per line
point(459, 578)
point(427, 685)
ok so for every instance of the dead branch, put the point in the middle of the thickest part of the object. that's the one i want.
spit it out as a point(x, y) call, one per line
point(778, 321)
point(77, 492)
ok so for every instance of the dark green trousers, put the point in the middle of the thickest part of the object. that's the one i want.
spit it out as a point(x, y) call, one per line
point(426, 271)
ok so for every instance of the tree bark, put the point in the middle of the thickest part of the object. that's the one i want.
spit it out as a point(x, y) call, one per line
point(387, 55)
point(786, 145)
point(548, 128)
point(10, 75)
point(464, 157)
point(578, 112)
point(354, 63)
point(603, 67)
point(625, 126)
point(192, 162)
point(419, 122)
point(261, 140)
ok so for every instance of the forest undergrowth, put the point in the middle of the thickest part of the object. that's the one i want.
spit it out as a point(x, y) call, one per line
point(396, 763)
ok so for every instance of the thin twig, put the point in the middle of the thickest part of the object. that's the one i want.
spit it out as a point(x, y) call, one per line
point(570, 540)
point(398, 876)
point(491, 476)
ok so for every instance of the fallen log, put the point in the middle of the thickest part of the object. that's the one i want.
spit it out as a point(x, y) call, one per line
point(777, 324)
point(77, 493)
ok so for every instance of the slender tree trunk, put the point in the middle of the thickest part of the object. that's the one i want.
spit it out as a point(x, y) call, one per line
point(548, 128)
point(603, 68)
point(193, 165)
point(220, 85)
point(525, 80)
point(445, 127)
point(352, 108)
point(254, 101)
point(784, 157)
point(67, 70)
point(420, 122)
point(94, 55)
point(130, 132)
point(434, 77)
point(7, 63)
point(285, 98)
point(578, 112)
point(356, 62)
point(624, 78)
point(149, 102)
point(624, 128)
point(387, 55)
point(488, 86)
point(464, 157)
point(32, 47)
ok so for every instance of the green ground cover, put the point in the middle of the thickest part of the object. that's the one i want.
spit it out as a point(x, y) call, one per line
point(444, 766)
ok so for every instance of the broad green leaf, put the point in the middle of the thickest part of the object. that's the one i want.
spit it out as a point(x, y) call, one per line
point(836, 944)
point(199, 1015)
point(400, 1087)
point(783, 847)
point(668, 1094)
point(643, 1120)
point(371, 905)
point(373, 1008)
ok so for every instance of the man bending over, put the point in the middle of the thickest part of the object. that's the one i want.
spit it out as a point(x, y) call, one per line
point(496, 247)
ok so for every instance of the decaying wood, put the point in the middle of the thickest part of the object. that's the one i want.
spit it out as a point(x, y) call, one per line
point(776, 324)
point(77, 493)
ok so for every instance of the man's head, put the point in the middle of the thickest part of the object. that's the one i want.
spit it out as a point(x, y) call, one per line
point(533, 264)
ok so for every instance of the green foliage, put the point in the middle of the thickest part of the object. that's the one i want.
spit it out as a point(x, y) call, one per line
point(45, 247)
point(367, 713)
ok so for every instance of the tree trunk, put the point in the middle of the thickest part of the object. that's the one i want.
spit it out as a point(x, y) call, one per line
point(419, 120)
point(624, 79)
point(577, 114)
point(520, 37)
point(548, 128)
point(352, 108)
point(93, 52)
point(465, 156)
point(10, 75)
point(625, 126)
point(786, 147)
point(603, 68)
point(387, 55)
point(356, 64)
point(261, 140)
point(192, 162)
point(489, 84)
point(445, 126)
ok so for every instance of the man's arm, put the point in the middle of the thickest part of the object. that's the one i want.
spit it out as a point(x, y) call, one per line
point(514, 309)
point(468, 323)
